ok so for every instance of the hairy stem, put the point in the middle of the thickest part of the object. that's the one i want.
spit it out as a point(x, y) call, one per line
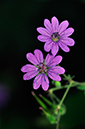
point(73, 84)
point(57, 126)
point(64, 96)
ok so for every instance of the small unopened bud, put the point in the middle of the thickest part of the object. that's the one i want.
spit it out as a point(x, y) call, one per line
point(57, 84)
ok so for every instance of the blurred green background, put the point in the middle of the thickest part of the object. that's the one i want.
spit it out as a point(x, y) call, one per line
point(18, 36)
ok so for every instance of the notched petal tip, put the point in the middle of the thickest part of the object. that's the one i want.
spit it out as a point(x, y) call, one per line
point(55, 49)
point(27, 55)
point(66, 22)
point(47, 24)
point(38, 37)
point(73, 43)
point(24, 78)
point(64, 47)
point(44, 31)
point(45, 82)
point(55, 24)
point(36, 51)
point(42, 38)
point(37, 82)
point(54, 18)
point(59, 79)
point(38, 29)
point(62, 70)
point(63, 25)
point(59, 57)
point(38, 55)
point(72, 30)
point(48, 46)
point(21, 69)
point(45, 88)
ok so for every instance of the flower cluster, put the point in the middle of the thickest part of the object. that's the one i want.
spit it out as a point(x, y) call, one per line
point(54, 36)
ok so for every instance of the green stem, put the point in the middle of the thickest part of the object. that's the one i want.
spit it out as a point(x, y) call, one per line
point(57, 127)
point(59, 88)
point(55, 97)
point(51, 96)
point(74, 84)
point(64, 96)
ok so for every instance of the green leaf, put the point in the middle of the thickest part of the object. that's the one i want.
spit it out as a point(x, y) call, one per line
point(81, 87)
point(69, 76)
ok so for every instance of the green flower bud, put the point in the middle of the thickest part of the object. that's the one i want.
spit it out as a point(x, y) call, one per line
point(57, 84)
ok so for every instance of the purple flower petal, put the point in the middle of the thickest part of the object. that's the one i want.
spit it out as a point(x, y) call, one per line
point(64, 47)
point(57, 69)
point(48, 45)
point(68, 41)
point(45, 82)
point(67, 32)
point(48, 25)
point(56, 60)
point(63, 26)
point(38, 55)
point(53, 75)
point(55, 49)
point(37, 81)
point(32, 58)
point(60, 69)
point(48, 59)
point(28, 68)
point(30, 75)
point(43, 31)
point(55, 24)
point(43, 38)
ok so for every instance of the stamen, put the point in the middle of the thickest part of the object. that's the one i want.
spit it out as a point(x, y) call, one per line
point(42, 68)
point(55, 36)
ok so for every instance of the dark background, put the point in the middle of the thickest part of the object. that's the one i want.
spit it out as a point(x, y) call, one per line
point(18, 36)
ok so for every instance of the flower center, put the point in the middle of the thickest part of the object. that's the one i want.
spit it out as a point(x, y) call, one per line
point(42, 68)
point(55, 36)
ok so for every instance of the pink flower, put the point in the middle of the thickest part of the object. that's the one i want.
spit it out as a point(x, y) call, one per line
point(55, 35)
point(42, 69)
